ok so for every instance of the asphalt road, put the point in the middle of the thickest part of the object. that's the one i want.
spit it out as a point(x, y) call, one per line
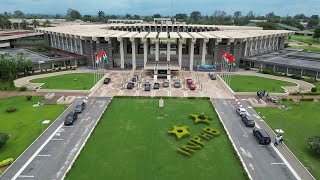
point(52, 158)
point(262, 162)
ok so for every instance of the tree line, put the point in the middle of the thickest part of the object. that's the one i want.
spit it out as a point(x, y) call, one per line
point(12, 66)
point(238, 18)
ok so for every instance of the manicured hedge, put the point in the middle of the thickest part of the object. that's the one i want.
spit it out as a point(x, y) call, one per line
point(307, 99)
point(3, 139)
point(6, 162)
point(11, 109)
point(306, 94)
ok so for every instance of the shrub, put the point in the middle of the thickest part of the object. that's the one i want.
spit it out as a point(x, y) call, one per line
point(314, 143)
point(29, 98)
point(247, 68)
point(6, 162)
point(23, 88)
point(306, 99)
point(314, 89)
point(11, 109)
point(3, 139)
point(294, 76)
point(284, 99)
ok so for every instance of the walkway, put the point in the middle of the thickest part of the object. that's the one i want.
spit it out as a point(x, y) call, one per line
point(303, 85)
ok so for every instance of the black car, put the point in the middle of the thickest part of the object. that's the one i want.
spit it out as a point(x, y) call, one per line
point(71, 117)
point(106, 80)
point(262, 136)
point(248, 121)
point(156, 85)
point(80, 107)
point(212, 76)
point(135, 78)
point(130, 85)
point(147, 87)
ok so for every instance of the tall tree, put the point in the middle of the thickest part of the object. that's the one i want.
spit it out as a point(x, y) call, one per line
point(317, 33)
point(73, 14)
point(195, 16)
point(5, 23)
point(24, 24)
point(35, 22)
point(156, 16)
point(18, 14)
point(101, 15)
point(237, 14)
point(128, 16)
point(181, 16)
point(136, 16)
point(46, 23)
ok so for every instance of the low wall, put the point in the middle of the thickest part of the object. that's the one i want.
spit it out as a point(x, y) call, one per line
point(254, 103)
point(62, 90)
point(67, 100)
point(49, 96)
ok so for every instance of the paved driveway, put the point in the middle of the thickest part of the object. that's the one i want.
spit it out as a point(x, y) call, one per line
point(262, 162)
point(51, 157)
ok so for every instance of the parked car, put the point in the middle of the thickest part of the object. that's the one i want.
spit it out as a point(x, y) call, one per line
point(156, 85)
point(135, 78)
point(147, 86)
point(212, 76)
point(106, 81)
point(248, 121)
point(241, 111)
point(262, 136)
point(80, 107)
point(177, 83)
point(189, 81)
point(165, 83)
point(130, 85)
point(71, 117)
point(192, 87)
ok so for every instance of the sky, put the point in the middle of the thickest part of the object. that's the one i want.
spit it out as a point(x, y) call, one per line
point(163, 7)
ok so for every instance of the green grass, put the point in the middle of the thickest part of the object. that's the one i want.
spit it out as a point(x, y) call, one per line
point(67, 81)
point(253, 84)
point(317, 85)
point(5, 86)
point(307, 48)
point(298, 123)
point(130, 142)
point(305, 39)
point(23, 126)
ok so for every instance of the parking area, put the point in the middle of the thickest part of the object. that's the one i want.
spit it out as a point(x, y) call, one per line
point(205, 87)
point(50, 156)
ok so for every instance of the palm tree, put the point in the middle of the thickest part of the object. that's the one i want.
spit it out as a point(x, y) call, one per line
point(35, 23)
point(23, 24)
point(100, 15)
point(46, 23)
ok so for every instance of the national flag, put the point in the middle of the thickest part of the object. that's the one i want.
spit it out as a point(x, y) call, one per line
point(97, 58)
point(227, 57)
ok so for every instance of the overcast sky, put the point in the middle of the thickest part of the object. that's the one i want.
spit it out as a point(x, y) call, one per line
point(163, 7)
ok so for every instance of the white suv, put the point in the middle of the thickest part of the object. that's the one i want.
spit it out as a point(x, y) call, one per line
point(241, 111)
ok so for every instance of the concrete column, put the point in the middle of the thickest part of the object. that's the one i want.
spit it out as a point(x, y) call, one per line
point(168, 49)
point(76, 45)
point(180, 52)
point(301, 72)
point(125, 46)
point(145, 52)
point(245, 48)
point(261, 43)
point(277, 43)
point(204, 48)
point(51, 40)
point(256, 46)
point(63, 46)
point(80, 43)
point(55, 41)
point(265, 44)
point(133, 45)
point(191, 53)
point(269, 44)
point(52, 64)
point(157, 50)
point(71, 43)
point(251, 44)
point(121, 53)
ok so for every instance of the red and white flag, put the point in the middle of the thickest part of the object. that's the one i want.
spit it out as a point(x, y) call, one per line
point(227, 57)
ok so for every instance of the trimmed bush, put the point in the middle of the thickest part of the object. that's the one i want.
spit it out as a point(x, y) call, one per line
point(247, 68)
point(23, 88)
point(29, 98)
point(314, 143)
point(307, 99)
point(184, 153)
point(284, 99)
point(314, 89)
point(11, 109)
point(306, 94)
point(3, 139)
point(6, 162)
point(294, 76)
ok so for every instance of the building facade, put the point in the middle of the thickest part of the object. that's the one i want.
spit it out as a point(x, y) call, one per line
point(164, 47)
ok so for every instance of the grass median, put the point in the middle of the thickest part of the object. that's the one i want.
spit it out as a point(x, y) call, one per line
point(23, 126)
point(77, 81)
point(131, 141)
point(299, 123)
point(241, 83)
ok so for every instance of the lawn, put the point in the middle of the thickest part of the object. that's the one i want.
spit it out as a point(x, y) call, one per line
point(254, 84)
point(23, 126)
point(305, 39)
point(131, 141)
point(67, 81)
point(307, 48)
point(298, 123)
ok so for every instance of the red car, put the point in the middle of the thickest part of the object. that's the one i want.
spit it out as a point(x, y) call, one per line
point(192, 86)
point(189, 81)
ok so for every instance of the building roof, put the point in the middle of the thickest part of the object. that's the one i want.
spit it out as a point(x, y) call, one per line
point(16, 34)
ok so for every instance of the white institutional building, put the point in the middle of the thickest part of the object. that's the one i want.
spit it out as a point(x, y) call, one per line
point(163, 46)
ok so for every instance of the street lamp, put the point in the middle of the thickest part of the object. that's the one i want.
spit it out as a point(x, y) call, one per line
point(38, 105)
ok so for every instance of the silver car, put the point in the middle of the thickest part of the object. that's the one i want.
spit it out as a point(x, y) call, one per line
point(165, 83)
point(177, 83)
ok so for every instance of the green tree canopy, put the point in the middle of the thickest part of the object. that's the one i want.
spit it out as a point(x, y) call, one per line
point(73, 14)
